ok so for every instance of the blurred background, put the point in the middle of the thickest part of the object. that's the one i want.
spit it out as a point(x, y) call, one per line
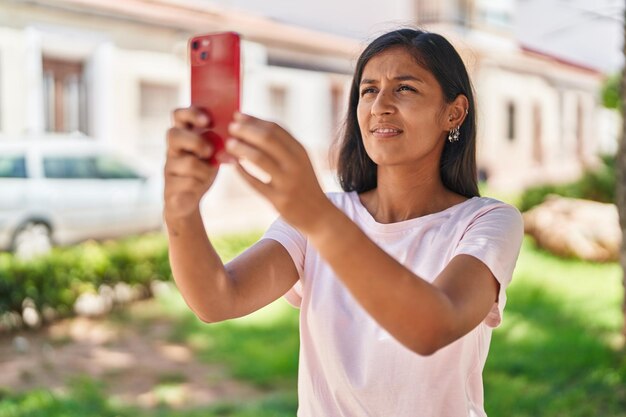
point(89, 321)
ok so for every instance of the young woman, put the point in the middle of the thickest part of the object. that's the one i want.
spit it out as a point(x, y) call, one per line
point(400, 278)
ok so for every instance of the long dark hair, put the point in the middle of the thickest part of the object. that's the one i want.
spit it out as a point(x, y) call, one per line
point(356, 170)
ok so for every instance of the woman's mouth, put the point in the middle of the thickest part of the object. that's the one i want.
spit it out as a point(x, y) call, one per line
point(386, 132)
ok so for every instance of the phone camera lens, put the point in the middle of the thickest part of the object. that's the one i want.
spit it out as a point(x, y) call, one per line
point(195, 45)
point(203, 55)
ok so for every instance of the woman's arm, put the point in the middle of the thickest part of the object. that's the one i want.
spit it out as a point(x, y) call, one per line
point(213, 291)
point(424, 317)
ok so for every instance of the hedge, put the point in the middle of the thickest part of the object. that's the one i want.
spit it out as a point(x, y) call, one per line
point(53, 282)
point(597, 185)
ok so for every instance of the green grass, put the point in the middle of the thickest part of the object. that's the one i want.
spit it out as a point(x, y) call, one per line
point(85, 399)
point(556, 353)
point(261, 348)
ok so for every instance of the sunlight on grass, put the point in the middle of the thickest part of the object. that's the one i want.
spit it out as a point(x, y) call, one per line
point(261, 348)
point(551, 356)
point(554, 355)
point(516, 329)
point(590, 291)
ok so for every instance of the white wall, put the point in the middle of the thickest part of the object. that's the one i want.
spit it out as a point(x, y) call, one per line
point(583, 31)
point(512, 162)
point(15, 92)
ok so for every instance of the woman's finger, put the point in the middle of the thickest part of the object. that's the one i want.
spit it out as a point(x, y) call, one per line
point(179, 184)
point(242, 151)
point(264, 135)
point(189, 166)
point(183, 141)
point(190, 117)
point(260, 186)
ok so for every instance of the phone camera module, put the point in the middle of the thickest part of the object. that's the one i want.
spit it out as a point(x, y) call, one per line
point(204, 55)
point(195, 45)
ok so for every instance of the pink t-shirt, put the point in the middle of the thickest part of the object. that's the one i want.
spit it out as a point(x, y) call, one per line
point(349, 365)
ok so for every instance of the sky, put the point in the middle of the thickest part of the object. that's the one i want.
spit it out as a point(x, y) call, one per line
point(587, 32)
point(590, 32)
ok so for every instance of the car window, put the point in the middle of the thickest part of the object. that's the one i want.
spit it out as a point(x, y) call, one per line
point(70, 167)
point(111, 168)
point(12, 167)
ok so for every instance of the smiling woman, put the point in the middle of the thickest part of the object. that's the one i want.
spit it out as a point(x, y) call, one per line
point(400, 278)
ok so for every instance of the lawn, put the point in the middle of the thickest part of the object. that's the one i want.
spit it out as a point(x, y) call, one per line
point(558, 352)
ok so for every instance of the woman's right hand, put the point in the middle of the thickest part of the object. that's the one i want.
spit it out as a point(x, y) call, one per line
point(188, 174)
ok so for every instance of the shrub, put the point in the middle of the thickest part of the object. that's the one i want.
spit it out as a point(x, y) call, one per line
point(597, 185)
point(54, 281)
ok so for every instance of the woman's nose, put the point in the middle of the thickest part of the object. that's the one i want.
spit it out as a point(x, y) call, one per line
point(383, 104)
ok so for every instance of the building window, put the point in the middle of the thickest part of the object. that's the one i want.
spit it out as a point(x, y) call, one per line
point(495, 13)
point(537, 135)
point(580, 131)
point(338, 109)
point(278, 103)
point(510, 117)
point(458, 12)
point(428, 11)
point(65, 98)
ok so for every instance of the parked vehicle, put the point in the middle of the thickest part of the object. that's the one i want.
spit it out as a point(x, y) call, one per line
point(62, 191)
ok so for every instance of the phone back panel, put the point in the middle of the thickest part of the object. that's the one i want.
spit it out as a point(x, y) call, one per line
point(215, 82)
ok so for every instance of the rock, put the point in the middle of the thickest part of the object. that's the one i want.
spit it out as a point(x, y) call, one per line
point(160, 288)
point(106, 292)
point(11, 321)
point(21, 344)
point(123, 293)
point(578, 228)
point(92, 305)
point(49, 314)
point(31, 317)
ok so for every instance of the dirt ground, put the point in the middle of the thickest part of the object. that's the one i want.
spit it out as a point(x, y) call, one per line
point(137, 365)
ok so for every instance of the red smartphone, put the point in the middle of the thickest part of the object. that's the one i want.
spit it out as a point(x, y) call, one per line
point(216, 83)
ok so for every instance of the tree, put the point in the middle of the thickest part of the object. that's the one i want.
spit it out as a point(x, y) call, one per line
point(621, 179)
point(610, 92)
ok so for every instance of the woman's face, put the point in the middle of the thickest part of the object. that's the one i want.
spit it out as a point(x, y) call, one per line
point(401, 111)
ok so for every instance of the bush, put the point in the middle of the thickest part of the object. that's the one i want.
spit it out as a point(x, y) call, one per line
point(597, 185)
point(54, 281)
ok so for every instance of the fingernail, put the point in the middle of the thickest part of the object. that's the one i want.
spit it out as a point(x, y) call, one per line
point(233, 125)
point(203, 119)
point(231, 143)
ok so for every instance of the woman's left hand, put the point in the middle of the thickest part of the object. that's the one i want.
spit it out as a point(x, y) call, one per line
point(293, 189)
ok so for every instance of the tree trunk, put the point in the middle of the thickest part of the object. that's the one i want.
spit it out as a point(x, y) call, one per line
point(621, 180)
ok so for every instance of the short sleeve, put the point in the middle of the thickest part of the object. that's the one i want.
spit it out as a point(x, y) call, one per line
point(495, 238)
point(295, 244)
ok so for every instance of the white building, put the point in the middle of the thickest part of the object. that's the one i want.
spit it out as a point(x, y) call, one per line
point(536, 66)
point(114, 70)
point(538, 115)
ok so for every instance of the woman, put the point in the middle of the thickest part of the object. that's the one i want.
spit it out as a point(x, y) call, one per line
point(399, 279)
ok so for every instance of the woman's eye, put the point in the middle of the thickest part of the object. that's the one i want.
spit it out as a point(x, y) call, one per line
point(367, 91)
point(406, 88)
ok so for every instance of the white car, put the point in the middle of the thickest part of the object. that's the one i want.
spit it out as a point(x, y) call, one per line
point(62, 191)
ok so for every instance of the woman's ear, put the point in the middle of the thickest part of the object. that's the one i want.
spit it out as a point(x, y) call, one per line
point(457, 111)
